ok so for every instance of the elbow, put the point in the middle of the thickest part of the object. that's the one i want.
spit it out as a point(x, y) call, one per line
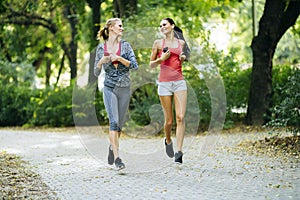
point(152, 65)
point(97, 71)
point(133, 65)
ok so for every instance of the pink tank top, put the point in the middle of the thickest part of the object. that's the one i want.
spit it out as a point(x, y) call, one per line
point(106, 53)
point(171, 69)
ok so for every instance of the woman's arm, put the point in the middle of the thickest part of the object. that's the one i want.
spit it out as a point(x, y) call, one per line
point(130, 60)
point(154, 61)
point(100, 59)
point(182, 56)
point(98, 64)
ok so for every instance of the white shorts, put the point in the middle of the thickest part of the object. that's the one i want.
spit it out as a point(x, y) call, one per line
point(169, 88)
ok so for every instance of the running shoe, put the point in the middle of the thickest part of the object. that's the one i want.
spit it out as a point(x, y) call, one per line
point(119, 164)
point(178, 157)
point(111, 156)
point(169, 149)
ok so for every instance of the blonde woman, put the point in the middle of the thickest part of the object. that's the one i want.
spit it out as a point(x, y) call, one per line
point(116, 57)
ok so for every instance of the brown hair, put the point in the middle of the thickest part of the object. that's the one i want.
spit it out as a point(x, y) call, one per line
point(103, 33)
point(179, 35)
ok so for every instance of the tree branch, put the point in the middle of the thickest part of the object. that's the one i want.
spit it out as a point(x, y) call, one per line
point(289, 16)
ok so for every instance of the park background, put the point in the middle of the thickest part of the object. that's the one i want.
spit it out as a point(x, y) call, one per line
point(253, 46)
point(249, 52)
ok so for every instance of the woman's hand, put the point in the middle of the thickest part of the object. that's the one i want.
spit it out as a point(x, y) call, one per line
point(105, 59)
point(182, 57)
point(114, 57)
point(165, 55)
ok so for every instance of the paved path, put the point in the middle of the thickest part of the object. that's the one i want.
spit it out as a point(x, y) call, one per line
point(74, 165)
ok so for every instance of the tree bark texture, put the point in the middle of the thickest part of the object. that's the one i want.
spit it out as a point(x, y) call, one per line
point(70, 15)
point(125, 8)
point(277, 18)
point(96, 18)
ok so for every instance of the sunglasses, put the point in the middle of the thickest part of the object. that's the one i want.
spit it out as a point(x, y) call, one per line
point(162, 25)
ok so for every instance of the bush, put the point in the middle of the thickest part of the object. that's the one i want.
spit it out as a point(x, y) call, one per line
point(15, 82)
point(14, 105)
point(236, 84)
point(197, 85)
point(52, 107)
point(141, 101)
point(286, 113)
point(88, 106)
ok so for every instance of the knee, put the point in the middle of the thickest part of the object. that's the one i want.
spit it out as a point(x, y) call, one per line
point(169, 122)
point(179, 118)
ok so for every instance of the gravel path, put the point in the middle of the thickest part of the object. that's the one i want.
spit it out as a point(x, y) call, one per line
point(73, 164)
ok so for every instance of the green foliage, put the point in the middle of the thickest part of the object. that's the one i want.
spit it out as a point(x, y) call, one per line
point(286, 110)
point(14, 104)
point(198, 86)
point(236, 80)
point(49, 107)
point(88, 106)
point(16, 80)
point(288, 49)
point(52, 107)
point(141, 101)
point(21, 104)
point(65, 106)
point(280, 77)
point(18, 74)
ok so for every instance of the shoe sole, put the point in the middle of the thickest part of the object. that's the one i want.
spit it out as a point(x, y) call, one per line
point(120, 168)
point(178, 163)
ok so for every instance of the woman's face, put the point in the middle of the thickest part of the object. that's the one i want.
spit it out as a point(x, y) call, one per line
point(117, 28)
point(166, 27)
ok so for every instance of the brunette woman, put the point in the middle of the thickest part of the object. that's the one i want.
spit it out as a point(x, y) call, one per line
point(169, 53)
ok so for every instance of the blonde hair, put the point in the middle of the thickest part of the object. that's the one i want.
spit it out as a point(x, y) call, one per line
point(103, 33)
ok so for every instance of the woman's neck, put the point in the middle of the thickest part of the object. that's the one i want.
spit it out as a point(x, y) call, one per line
point(113, 39)
point(170, 36)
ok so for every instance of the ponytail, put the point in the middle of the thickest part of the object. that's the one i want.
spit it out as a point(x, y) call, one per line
point(104, 33)
point(179, 35)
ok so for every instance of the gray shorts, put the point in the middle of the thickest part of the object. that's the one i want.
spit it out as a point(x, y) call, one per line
point(169, 88)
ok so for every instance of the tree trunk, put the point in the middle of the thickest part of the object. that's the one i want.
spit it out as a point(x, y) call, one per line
point(37, 63)
point(125, 8)
point(70, 15)
point(95, 6)
point(278, 16)
point(62, 64)
point(48, 72)
point(92, 78)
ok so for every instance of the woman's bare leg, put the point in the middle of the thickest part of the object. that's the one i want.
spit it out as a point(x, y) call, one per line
point(114, 141)
point(180, 101)
point(166, 103)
